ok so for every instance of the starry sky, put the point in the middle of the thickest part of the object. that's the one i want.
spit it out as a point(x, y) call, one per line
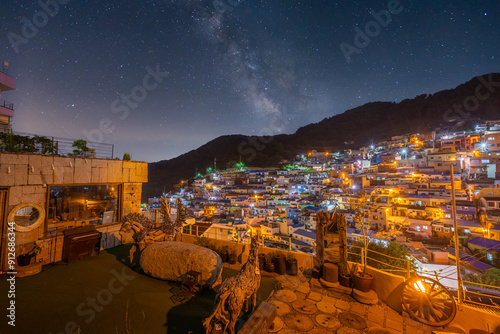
point(158, 78)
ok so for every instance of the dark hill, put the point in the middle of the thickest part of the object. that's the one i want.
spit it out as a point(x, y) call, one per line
point(354, 128)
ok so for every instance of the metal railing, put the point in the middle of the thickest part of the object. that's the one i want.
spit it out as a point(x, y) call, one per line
point(402, 270)
point(58, 146)
point(8, 105)
point(218, 233)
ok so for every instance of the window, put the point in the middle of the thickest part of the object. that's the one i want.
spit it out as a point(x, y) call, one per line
point(95, 204)
point(425, 227)
point(485, 161)
point(437, 229)
point(491, 204)
point(491, 138)
point(446, 230)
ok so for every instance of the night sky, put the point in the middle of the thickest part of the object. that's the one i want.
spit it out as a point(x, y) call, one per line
point(231, 69)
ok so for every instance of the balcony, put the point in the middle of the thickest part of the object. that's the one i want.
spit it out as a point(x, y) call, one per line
point(6, 108)
point(7, 82)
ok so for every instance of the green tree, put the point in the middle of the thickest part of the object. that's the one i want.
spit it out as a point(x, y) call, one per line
point(81, 150)
point(126, 157)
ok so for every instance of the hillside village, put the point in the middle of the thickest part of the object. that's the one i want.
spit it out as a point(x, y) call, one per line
point(405, 182)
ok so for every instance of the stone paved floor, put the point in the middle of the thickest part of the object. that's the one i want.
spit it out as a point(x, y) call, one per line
point(305, 306)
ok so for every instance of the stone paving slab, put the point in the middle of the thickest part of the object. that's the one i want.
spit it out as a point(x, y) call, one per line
point(315, 296)
point(304, 288)
point(328, 304)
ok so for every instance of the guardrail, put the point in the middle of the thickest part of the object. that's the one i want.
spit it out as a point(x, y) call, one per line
point(389, 266)
point(218, 233)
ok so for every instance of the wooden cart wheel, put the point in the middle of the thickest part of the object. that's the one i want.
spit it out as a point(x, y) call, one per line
point(428, 301)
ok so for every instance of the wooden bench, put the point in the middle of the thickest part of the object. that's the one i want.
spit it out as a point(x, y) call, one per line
point(260, 320)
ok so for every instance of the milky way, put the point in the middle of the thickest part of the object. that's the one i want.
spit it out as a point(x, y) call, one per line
point(249, 67)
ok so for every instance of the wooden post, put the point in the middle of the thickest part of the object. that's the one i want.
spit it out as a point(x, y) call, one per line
point(320, 238)
point(455, 235)
point(343, 239)
point(197, 230)
point(290, 244)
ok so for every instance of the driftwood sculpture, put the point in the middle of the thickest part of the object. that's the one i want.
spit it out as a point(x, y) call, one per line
point(142, 232)
point(235, 291)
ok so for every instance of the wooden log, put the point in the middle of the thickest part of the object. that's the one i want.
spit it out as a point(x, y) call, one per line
point(260, 320)
point(331, 272)
point(343, 239)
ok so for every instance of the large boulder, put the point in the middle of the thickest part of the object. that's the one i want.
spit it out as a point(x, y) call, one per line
point(171, 260)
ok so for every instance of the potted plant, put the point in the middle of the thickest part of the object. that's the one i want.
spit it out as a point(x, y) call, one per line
point(345, 277)
point(262, 261)
point(361, 279)
point(224, 253)
point(280, 262)
point(269, 262)
point(25, 259)
point(232, 256)
point(291, 263)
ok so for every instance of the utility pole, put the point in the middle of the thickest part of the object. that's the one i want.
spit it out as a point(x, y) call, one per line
point(455, 235)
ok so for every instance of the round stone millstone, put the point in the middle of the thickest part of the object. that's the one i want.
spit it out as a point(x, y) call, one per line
point(304, 306)
point(289, 331)
point(378, 330)
point(348, 330)
point(297, 321)
point(327, 321)
point(352, 320)
point(326, 306)
point(369, 297)
point(276, 326)
point(281, 307)
point(320, 331)
point(286, 296)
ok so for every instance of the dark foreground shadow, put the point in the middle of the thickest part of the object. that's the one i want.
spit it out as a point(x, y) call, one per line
point(188, 317)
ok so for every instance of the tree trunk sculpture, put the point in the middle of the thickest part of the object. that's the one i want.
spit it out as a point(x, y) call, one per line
point(235, 291)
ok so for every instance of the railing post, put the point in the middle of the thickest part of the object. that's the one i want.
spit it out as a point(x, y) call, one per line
point(407, 269)
point(197, 230)
point(362, 257)
point(290, 244)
